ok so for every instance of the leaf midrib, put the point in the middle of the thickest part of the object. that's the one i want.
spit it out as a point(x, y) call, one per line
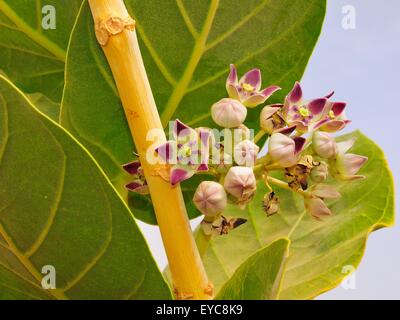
point(33, 34)
point(200, 44)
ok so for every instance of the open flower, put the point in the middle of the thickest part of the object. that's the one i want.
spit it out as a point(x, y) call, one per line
point(334, 118)
point(300, 113)
point(347, 165)
point(248, 89)
point(210, 198)
point(271, 120)
point(228, 113)
point(139, 185)
point(285, 150)
point(318, 114)
point(241, 183)
point(187, 153)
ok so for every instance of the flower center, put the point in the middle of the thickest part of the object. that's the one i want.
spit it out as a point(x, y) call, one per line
point(331, 114)
point(304, 112)
point(186, 151)
point(248, 87)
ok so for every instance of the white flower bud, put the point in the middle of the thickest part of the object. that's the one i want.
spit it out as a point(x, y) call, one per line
point(228, 113)
point(324, 145)
point(241, 183)
point(210, 198)
point(285, 150)
point(246, 153)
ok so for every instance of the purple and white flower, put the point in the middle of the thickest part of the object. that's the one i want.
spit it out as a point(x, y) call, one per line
point(187, 154)
point(248, 89)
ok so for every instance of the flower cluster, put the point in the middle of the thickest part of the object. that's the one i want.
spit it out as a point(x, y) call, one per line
point(301, 150)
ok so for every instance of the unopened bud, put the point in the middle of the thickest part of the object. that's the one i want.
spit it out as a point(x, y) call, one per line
point(210, 198)
point(228, 113)
point(241, 183)
point(246, 153)
point(324, 145)
point(285, 150)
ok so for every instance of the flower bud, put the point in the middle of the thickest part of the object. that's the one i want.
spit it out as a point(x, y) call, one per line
point(228, 113)
point(319, 173)
point(246, 153)
point(317, 208)
point(241, 183)
point(324, 145)
point(210, 198)
point(285, 150)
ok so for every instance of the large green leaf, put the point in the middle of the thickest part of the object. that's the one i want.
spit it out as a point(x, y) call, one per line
point(260, 276)
point(187, 48)
point(58, 208)
point(30, 55)
point(318, 250)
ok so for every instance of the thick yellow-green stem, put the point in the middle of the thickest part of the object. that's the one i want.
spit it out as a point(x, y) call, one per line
point(115, 31)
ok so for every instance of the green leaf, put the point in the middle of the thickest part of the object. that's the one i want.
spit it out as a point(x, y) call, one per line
point(187, 51)
point(58, 208)
point(260, 276)
point(31, 56)
point(318, 250)
point(45, 105)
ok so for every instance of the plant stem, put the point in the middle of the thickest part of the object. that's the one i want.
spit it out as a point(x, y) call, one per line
point(121, 48)
point(259, 136)
point(284, 185)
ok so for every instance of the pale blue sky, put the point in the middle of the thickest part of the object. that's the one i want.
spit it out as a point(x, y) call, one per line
point(362, 66)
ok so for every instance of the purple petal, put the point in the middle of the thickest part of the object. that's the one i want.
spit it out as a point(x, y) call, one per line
point(232, 83)
point(133, 185)
point(267, 92)
point(329, 95)
point(338, 108)
point(353, 163)
point(254, 100)
point(232, 78)
point(203, 167)
point(301, 126)
point(345, 146)
point(166, 151)
point(316, 107)
point(296, 94)
point(253, 78)
point(132, 167)
point(333, 126)
point(181, 129)
point(138, 187)
point(299, 143)
point(318, 124)
point(287, 130)
point(179, 174)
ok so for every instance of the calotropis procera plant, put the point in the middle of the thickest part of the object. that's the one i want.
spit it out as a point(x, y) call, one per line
point(280, 221)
